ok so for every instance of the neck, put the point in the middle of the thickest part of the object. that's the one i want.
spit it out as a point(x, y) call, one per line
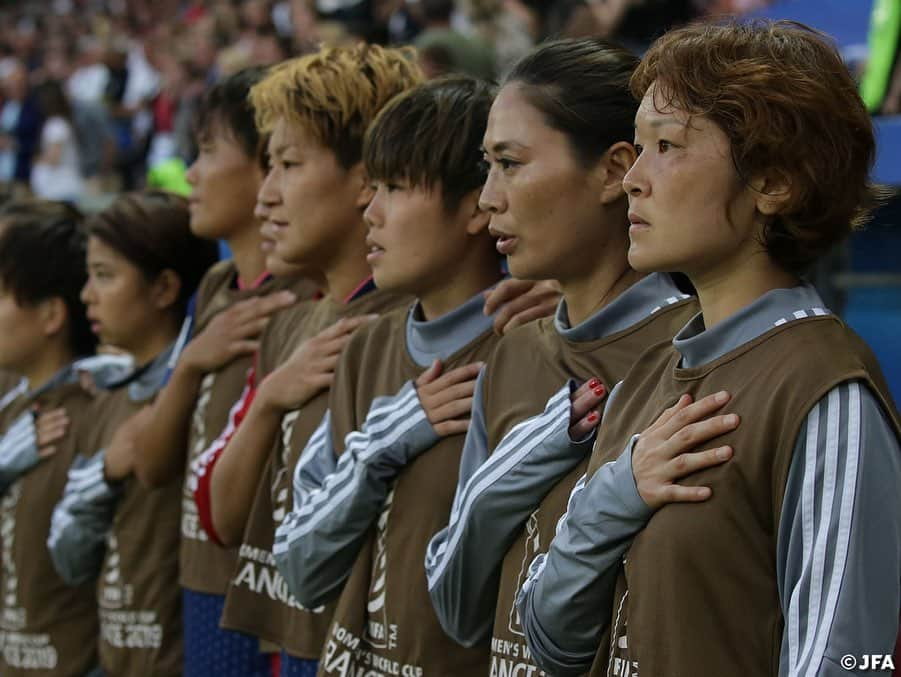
point(610, 276)
point(156, 340)
point(467, 279)
point(41, 368)
point(725, 290)
point(248, 257)
point(348, 268)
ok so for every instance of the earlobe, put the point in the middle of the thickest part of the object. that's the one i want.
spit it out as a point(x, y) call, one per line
point(366, 192)
point(773, 193)
point(615, 164)
point(166, 289)
point(53, 313)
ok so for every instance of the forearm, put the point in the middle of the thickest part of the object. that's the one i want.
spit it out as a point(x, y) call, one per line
point(565, 603)
point(318, 542)
point(162, 444)
point(18, 451)
point(81, 521)
point(463, 561)
point(236, 476)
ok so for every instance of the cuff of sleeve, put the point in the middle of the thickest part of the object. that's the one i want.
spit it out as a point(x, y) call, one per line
point(19, 445)
point(422, 435)
point(624, 483)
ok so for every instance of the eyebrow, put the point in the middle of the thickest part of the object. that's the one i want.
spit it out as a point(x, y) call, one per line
point(280, 149)
point(662, 122)
point(501, 146)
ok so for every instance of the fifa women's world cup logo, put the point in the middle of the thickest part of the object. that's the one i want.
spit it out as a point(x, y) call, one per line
point(377, 630)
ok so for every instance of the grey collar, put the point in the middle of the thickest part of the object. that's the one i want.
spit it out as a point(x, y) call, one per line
point(699, 345)
point(440, 338)
point(145, 382)
point(642, 299)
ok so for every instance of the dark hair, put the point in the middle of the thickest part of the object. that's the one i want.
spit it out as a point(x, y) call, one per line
point(52, 100)
point(42, 256)
point(785, 100)
point(151, 229)
point(582, 89)
point(437, 10)
point(227, 106)
point(432, 134)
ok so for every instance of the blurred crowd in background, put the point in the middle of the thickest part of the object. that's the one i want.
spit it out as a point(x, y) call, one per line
point(98, 95)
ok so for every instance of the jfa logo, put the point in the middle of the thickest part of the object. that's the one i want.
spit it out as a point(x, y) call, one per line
point(868, 662)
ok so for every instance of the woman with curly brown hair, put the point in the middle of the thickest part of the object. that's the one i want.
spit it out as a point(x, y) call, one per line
point(740, 514)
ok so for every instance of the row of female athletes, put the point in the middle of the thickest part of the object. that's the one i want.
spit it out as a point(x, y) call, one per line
point(380, 441)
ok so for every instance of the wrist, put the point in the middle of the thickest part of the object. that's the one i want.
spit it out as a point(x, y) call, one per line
point(266, 402)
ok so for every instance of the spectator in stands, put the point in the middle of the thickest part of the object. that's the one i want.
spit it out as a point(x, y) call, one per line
point(56, 174)
point(469, 54)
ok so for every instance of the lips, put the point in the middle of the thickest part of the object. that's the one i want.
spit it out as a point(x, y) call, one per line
point(373, 250)
point(637, 223)
point(506, 243)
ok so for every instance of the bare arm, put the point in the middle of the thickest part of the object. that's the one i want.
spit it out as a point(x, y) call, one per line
point(163, 439)
point(236, 475)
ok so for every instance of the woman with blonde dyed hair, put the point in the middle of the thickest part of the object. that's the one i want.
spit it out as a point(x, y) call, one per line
point(316, 109)
point(741, 512)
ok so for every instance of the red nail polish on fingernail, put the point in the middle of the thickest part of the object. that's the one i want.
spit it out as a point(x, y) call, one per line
point(592, 417)
point(599, 391)
point(593, 383)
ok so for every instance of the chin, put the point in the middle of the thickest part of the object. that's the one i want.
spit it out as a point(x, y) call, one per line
point(644, 261)
point(203, 228)
point(521, 270)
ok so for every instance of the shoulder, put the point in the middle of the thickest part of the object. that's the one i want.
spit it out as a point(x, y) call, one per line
point(217, 277)
point(381, 334)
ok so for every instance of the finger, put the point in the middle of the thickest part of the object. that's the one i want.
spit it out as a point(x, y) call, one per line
point(245, 347)
point(584, 426)
point(51, 418)
point(467, 372)
point(504, 292)
point(46, 452)
point(335, 346)
point(587, 402)
point(430, 374)
point(346, 325)
point(695, 411)
point(689, 437)
point(51, 433)
point(690, 462)
point(669, 413)
point(50, 413)
point(457, 391)
point(251, 327)
point(676, 493)
point(448, 428)
point(328, 363)
point(586, 387)
point(534, 312)
point(271, 303)
point(46, 427)
point(451, 410)
point(322, 381)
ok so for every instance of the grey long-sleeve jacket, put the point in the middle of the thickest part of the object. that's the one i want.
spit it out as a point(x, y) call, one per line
point(498, 489)
point(83, 518)
point(336, 500)
point(838, 558)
